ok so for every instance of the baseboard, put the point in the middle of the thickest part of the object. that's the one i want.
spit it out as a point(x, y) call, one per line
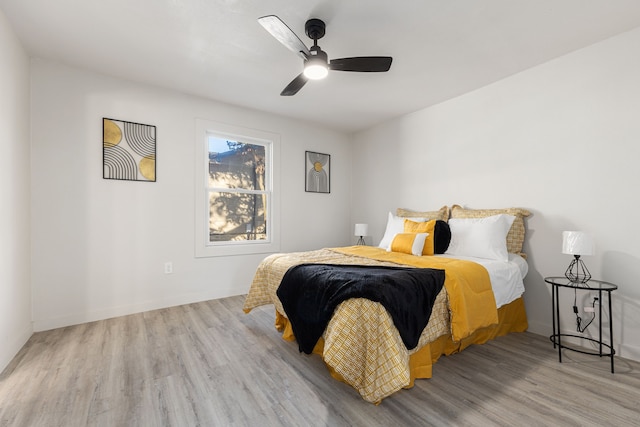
point(107, 313)
point(539, 328)
point(9, 351)
point(628, 351)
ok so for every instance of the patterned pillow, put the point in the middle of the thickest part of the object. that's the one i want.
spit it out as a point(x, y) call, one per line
point(441, 214)
point(515, 237)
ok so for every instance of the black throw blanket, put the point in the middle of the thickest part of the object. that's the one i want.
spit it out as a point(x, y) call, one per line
point(310, 293)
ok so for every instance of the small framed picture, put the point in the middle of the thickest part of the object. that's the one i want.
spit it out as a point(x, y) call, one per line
point(317, 178)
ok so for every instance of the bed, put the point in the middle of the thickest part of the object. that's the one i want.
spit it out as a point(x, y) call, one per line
point(481, 298)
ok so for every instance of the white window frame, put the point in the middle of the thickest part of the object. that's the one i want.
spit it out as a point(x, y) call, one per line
point(205, 248)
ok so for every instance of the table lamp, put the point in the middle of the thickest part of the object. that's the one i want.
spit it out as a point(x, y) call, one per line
point(361, 231)
point(577, 243)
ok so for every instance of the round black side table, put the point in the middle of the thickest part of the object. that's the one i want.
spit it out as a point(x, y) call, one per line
point(592, 285)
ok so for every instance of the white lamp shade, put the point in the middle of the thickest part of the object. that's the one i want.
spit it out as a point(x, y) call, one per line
point(362, 230)
point(577, 243)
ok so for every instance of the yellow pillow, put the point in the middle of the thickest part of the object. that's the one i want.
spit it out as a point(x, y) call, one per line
point(422, 227)
point(408, 243)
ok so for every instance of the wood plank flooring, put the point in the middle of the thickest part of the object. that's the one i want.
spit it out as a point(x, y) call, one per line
point(209, 364)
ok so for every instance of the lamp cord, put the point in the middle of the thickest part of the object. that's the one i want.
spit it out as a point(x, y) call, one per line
point(578, 318)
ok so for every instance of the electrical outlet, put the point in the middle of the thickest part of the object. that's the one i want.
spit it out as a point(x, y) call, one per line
point(589, 309)
point(168, 268)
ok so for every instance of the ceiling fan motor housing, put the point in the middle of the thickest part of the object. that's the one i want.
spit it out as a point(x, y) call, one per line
point(314, 28)
point(316, 52)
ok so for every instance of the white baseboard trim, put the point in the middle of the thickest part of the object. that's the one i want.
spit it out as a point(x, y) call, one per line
point(107, 313)
point(9, 351)
point(539, 328)
point(627, 351)
point(622, 350)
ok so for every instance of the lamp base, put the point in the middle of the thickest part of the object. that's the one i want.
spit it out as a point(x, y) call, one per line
point(577, 272)
point(361, 241)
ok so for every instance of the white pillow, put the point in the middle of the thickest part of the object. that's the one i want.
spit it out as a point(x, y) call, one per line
point(480, 237)
point(395, 225)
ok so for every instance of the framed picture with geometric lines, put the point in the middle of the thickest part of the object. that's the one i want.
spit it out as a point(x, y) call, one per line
point(317, 178)
point(128, 151)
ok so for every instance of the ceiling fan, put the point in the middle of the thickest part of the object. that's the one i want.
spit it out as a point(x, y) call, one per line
point(316, 65)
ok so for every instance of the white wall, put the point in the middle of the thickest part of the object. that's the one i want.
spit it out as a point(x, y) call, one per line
point(561, 139)
point(99, 246)
point(15, 291)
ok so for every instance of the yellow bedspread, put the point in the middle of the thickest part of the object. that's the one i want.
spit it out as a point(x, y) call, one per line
point(467, 284)
point(360, 344)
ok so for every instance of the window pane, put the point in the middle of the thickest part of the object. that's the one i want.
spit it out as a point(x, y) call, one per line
point(237, 216)
point(234, 164)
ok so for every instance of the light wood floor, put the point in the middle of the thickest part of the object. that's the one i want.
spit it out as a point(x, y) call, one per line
point(210, 364)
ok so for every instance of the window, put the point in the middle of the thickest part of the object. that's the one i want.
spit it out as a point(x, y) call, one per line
point(236, 202)
point(238, 196)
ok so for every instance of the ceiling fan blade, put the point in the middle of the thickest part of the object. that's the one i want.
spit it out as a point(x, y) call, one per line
point(295, 85)
point(284, 35)
point(367, 64)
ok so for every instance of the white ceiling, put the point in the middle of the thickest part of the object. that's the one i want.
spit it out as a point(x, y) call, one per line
point(216, 48)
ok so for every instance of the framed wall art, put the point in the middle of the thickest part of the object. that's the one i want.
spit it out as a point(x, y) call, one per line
point(128, 151)
point(317, 172)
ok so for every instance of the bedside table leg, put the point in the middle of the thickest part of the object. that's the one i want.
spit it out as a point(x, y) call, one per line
point(553, 315)
point(600, 321)
point(610, 328)
point(559, 332)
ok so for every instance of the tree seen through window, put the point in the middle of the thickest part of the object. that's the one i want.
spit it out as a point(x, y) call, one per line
point(237, 187)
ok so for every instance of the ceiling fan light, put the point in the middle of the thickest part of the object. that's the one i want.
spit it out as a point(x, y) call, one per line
point(316, 71)
point(315, 67)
